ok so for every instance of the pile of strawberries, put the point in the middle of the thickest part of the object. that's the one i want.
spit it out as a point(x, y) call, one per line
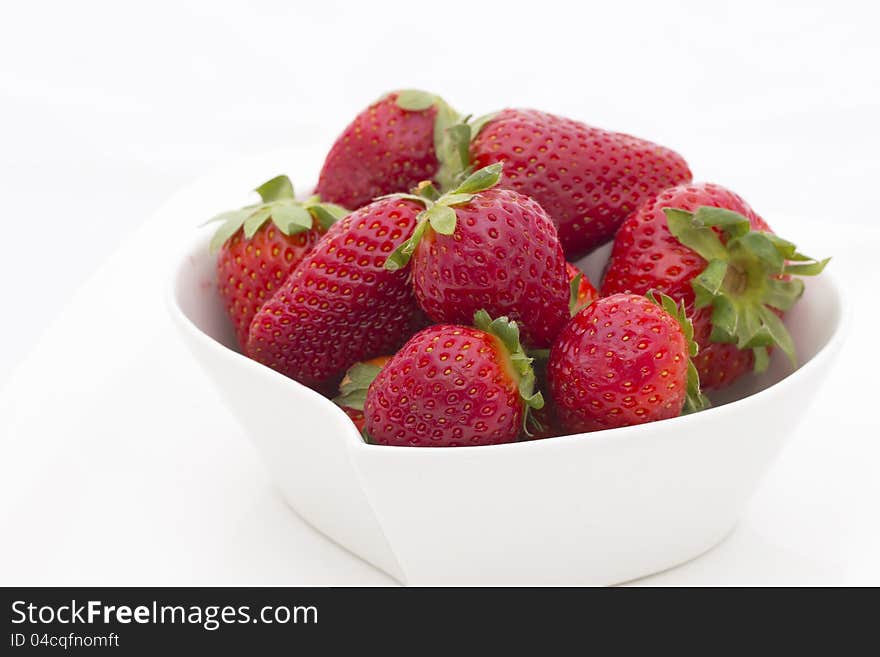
point(429, 287)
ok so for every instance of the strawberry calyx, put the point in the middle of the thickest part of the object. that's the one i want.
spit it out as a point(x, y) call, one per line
point(279, 204)
point(439, 213)
point(749, 275)
point(451, 133)
point(354, 385)
point(574, 307)
point(695, 399)
point(507, 332)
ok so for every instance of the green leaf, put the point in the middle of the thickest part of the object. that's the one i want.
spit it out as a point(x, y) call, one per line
point(533, 400)
point(712, 277)
point(531, 422)
point(750, 330)
point(479, 123)
point(732, 223)
point(277, 189)
point(227, 229)
point(539, 354)
point(695, 400)
point(336, 211)
point(353, 400)
point(678, 220)
point(744, 279)
point(701, 239)
point(482, 320)
point(442, 219)
point(810, 269)
point(327, 214)
point(400, 257)
point(449, 153)
point(456, 145)
point(504, 329)
point(786, 249)
point(481, 180)
point(725, 316)
point(354, 386)
point(780, 335)
point(256, 219)
point(573, 290)
point(507, 331)
point(225, 216)
point(759, 246)
point(358, 377)
point(415, 100)
point(291, 218)
point(427, 190)
point(400, 195)
point(762, 359)
point(782, 294)
point(456, 199)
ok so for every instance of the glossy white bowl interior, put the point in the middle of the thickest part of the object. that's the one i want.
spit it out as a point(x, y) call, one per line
point(597, 508)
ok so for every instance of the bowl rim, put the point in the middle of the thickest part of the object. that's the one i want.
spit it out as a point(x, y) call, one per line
point(354, 440)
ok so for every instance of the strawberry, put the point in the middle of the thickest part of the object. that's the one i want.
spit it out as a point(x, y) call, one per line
point(340, 305)
point(353, 388)
point(582, 291)
point(452, 386)
point(480, 248)
point(261, 244)
point(587, 179)
point(703, 245)
point(397, 142)
point(624, 360)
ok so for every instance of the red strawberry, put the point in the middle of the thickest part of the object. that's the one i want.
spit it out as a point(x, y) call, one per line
point(583, 293)
point(723, 261)
point(353, 388)
point(340, 305)
point(391, 146)
point(453, 386)
point(588, 180)
point(479, 248)
point(624, 360)
point(261, 244)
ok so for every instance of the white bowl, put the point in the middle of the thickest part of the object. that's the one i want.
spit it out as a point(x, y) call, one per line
point(597, 508)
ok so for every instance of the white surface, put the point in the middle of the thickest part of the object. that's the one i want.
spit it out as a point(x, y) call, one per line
point(105, 110)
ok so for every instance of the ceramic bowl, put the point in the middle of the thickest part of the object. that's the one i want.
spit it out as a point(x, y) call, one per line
point(592, 509)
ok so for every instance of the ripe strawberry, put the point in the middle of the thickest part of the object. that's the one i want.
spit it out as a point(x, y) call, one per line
point(703, 245)
point(340, 305)
point(261, 244)
point(394, 144)
point(453, 386)
point(624, 360)
point(582, 293)
point(480, 248)
point(353, 388)
point(588, 180)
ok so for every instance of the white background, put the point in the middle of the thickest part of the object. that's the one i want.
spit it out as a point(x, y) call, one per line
point(107, 108)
